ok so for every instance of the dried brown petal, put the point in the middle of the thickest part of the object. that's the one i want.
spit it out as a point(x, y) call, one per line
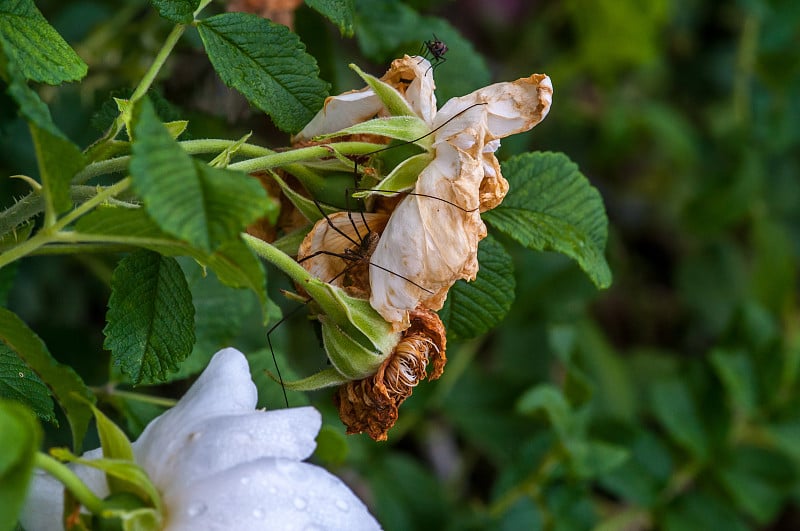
point(339, 252)
point(371, 405)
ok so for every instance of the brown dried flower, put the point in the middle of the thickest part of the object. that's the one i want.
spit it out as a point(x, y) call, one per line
point(371, 405)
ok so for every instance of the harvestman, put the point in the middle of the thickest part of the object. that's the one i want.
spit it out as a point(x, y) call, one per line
point(364, 246)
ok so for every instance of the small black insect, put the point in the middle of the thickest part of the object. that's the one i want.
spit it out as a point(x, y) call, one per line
point(436, 48)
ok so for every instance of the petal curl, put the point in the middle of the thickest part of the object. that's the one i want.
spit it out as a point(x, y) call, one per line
point(340, 112)
point(267, 494)
point(413, 78)
point(509, 108)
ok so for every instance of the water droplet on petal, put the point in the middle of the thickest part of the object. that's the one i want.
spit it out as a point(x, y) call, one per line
point(342, 505)
point(300, 503)
point(272, 490)
point(244, 480)
point(258, 513)
point(196, 509)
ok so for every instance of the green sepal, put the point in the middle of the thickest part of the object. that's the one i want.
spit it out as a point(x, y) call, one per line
point(304, 205)
point(224, 158)
point(403, 177)
point(320, 380)
point(394, 102)
point(358, 338)
point(355, 317)
point(351, 359)
point(404, 128)
point(122, 469)
point(115, 446)
point(125, 512)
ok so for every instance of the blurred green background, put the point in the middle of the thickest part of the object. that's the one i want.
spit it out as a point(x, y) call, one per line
point(669, 401)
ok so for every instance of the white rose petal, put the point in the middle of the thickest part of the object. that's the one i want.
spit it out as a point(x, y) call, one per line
point(220, 464)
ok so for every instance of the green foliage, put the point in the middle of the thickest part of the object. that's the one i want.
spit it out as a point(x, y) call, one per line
point(553, 207)
point(36, 46)
point(65, 385)
point(176, 10)
point(20, 437)
point(150, 327)
point(202, 205)
point(266, 63)
point(340, 12)
point(474, 308)
point(18, 382)
point(668, 400)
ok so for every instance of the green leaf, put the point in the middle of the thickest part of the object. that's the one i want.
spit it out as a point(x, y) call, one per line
point(332, 447)
point(590, 459)
point(31, 107)
point(36, 46)
point(758, 481)
point(65, 385)
point(234, 262)
point(675, 408)
point(219, 314)
point(150, 320)
point(237, 267)
point(340, 12)
point(268, 64)
point(178, 11)
point(20, 437)
point(202, 205)
point(59, 160)
point(18, 382)
point(552, 207)
point(738, 376)
point(474, 308)
point(551, 401)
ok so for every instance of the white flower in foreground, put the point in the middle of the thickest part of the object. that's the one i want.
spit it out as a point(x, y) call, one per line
point(219, 464)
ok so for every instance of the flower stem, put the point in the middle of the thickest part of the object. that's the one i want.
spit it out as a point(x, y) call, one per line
point(51, 234)
point(143, 86)
point(70, 479)
point(110, 390)
point(280, 259)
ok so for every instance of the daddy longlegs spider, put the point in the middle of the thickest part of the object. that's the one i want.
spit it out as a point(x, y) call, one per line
point(362, 246)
